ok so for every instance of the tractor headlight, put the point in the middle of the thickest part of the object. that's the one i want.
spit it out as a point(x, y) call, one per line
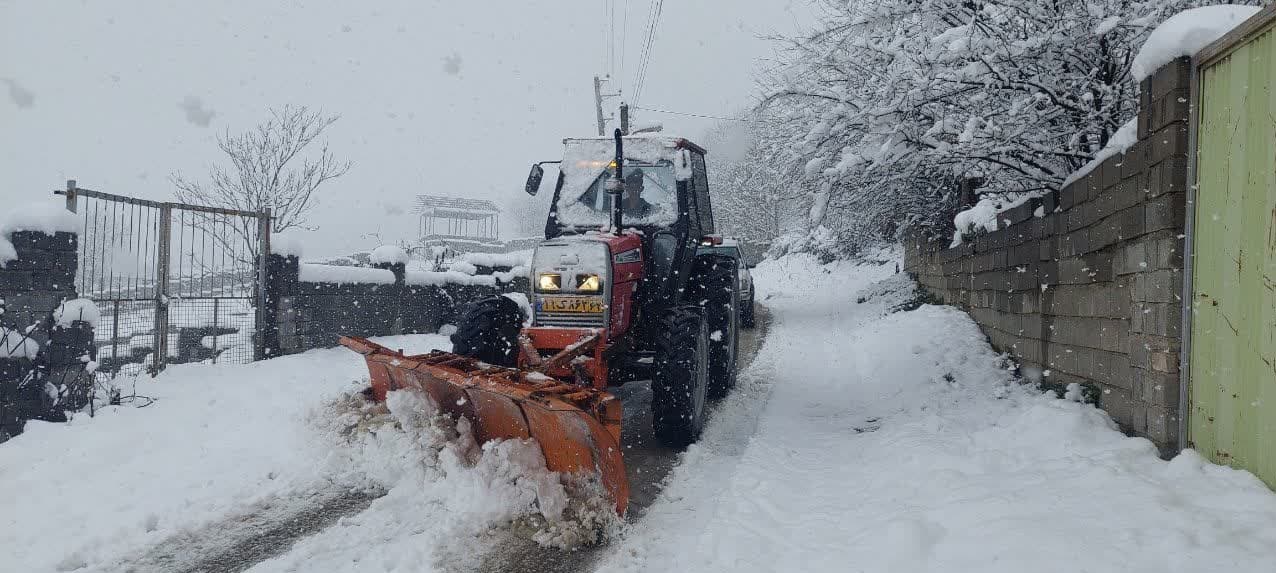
point(549, 281)
point(588, 283)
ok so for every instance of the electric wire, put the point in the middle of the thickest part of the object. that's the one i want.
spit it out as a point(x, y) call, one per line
point(657, 7)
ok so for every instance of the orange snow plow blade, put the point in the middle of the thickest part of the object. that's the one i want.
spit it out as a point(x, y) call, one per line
point(578, 428)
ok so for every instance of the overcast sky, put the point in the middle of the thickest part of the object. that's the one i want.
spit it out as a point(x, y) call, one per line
point(445, 97)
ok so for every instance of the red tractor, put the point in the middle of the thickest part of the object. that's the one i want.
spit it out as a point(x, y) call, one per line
point(619, 293)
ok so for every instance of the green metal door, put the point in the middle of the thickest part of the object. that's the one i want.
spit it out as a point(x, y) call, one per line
point(1232, 358)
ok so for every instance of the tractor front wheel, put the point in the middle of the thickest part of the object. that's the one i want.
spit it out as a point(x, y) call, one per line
point(680, 382)
point(488, 331)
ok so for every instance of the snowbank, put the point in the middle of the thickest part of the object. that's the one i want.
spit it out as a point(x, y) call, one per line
point(44, 216)
point(316, 273)
point(80, 309)
point(872, 440)
point(390, 255)
point(1186, 33)
point(286, 245)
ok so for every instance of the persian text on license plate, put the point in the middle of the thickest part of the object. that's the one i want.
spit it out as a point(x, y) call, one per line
point(572, 304)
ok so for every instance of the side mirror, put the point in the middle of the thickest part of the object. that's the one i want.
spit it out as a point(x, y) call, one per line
point(534, 179)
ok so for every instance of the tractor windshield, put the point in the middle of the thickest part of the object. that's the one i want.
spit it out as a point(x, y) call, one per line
point(650, 197)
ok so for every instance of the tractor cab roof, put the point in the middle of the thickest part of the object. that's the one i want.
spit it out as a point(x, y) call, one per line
point(670, 141)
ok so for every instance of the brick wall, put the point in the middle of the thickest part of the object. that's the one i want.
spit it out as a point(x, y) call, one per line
point(1090, 292)
point(305, 315)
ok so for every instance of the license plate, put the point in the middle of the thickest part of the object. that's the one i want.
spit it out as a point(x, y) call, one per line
point(572, 304)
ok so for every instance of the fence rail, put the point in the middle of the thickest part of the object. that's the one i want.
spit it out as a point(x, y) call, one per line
point(176, 282)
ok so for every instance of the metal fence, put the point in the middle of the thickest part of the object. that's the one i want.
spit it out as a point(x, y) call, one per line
point(176, 283)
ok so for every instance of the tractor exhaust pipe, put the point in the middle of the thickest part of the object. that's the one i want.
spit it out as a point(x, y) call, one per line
point(616, 186)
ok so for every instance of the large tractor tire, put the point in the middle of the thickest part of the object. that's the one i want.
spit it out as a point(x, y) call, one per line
point(488, 331)
point(721, 300)
point(680, 383)
point(747, 318)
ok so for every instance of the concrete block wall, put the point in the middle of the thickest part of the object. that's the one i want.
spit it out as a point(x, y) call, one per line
point(1091, 291)
point(39, 279)
point(305, 315)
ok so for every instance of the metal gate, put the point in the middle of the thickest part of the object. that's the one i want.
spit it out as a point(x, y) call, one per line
point(175, 283)
point(1231, 318)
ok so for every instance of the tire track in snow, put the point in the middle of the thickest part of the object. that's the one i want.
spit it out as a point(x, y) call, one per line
point(238, 543)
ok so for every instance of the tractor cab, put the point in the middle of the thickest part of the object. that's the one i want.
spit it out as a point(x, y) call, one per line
point(666, 186)
point(663, 196)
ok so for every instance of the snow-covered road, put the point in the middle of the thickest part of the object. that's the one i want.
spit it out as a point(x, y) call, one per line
point(859, 439)
point(864, 440)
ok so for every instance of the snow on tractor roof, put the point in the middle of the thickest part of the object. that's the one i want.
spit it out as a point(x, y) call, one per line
point(653, 165)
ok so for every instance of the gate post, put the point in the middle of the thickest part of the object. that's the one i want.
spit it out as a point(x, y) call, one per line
point(161, 289)
point(264, 334)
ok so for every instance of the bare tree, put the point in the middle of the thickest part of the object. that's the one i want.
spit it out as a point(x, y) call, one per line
point(267, 171)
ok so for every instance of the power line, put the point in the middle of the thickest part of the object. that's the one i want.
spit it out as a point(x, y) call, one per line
point(706, 116)
point(653, 24)
point(624, 44)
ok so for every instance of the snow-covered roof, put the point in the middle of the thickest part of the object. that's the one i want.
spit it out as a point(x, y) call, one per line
point(670, 140)
point(447, 206)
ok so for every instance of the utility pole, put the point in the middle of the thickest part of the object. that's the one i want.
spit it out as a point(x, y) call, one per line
point(598, 104)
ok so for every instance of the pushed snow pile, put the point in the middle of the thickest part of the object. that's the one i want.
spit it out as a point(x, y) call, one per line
point(443, 489)
point(1121, 141)
point(46, 217)
point(390, 255)
point(983, 216)
point(80, 309)
point(1186, 33)
point(286, 244)
point(894, 294)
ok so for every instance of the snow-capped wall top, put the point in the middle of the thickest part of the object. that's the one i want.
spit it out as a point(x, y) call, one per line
point(313, 273)
point(389, 255)
point(286, 244)
point(984, 215)
point(1186, 33)
point(45, 216)
point(1121, 141)
point(512, 259)
point(81, 309)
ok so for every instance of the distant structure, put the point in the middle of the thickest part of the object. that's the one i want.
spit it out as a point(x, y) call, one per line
point(452, 221)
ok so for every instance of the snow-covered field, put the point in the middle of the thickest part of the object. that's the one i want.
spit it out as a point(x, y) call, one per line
point(862, 441)
point(859, 439)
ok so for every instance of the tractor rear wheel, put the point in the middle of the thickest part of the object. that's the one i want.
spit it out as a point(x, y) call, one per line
point(680, 382)
point(488, 331)
point(721, 300)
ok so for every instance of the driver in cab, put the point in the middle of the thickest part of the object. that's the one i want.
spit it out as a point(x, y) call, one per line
point(633, 203)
